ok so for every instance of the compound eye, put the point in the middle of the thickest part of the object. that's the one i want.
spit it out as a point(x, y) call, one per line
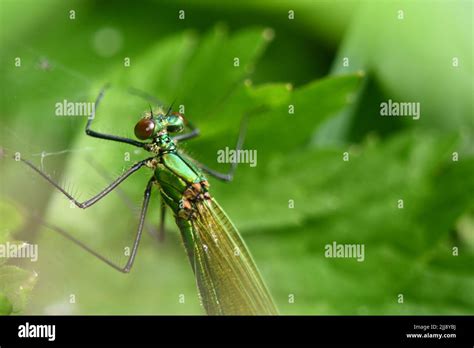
point(144, 129)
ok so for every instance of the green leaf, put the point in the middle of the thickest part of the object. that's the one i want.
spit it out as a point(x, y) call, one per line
point(378, 27)
point(16, 284)
point(270, 95)
point(280, 138)
point(356, 202)
point(220, 64)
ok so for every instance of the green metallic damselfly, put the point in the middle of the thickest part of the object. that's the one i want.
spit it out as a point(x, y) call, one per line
point(228, 280)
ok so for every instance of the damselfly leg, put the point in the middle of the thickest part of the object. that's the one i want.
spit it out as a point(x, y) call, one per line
point(136, 243)
point(155, 233)
point(87, 203)
point(111, 137)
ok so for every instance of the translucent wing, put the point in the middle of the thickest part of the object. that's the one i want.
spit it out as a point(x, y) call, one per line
point(228, 280)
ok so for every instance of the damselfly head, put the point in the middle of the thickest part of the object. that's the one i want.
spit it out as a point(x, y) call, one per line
point(152, 125)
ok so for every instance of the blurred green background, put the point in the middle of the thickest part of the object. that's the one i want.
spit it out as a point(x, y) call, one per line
point(400, 50)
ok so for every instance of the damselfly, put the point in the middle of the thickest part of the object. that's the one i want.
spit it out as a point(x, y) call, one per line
point(227, 278)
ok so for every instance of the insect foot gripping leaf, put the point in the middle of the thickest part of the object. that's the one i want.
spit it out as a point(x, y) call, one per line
point(16, 283)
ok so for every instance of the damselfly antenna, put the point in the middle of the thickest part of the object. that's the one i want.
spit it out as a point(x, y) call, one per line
point(170, 108)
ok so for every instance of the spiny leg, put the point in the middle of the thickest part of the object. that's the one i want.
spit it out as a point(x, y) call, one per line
point(101, 194)
point(125, 198)
point(230, 174)
point(136, 243)
point(95, 134)
point(158, 234)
